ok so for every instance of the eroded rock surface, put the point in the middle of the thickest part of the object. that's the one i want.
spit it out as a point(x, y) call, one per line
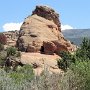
point(41, 27)
point(35, 32)
point(48, 13)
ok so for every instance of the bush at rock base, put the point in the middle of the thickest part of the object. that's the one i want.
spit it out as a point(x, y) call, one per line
point(1, 47)
point(46, 81)
point(23, 73)
point(11, 51)
point(79, 64)
point(3, 55)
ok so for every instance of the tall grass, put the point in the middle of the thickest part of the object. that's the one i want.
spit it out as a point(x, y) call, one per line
point(46, 81)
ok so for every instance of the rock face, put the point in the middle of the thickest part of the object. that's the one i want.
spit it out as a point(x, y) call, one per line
point(49, 47)
point(48, 13)
point(41, 32)
point(11, 37)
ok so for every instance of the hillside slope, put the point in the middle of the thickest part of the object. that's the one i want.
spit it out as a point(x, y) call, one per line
point(76, 35)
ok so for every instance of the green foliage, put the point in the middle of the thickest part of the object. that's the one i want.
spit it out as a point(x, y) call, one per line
point(2, 57)
point(1, 47)
point(82, 54)
point(67, 59)
point(82, 69)
point(79, 64)
point(18, 54)
point(46, 81)
point(11, 51)
point(84, 51)
point(22, 74)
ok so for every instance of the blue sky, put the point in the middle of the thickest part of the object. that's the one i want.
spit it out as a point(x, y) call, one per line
point(74, 13)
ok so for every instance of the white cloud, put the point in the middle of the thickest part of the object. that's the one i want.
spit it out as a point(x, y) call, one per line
point(16, 26)
point(65, 27)
point(12, 26)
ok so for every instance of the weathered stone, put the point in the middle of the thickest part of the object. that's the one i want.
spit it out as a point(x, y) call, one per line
point(49, 47)
point(64, 46)
point(37, 31)
point(48, 13)
point(11, 37)
point(42, 32)
point(31, 49)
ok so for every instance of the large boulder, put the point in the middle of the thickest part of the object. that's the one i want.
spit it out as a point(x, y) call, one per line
point(36, 29)
point(42, 32)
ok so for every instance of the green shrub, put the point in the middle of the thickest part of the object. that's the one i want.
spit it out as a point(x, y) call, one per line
point(1, 47)
point(84, 50)
point(82, 54)
point(24, 73)
point(82, 69)
point(18, 54)
point(2, 57)
point(79, 64)
point(11, 51)
point(66, 61)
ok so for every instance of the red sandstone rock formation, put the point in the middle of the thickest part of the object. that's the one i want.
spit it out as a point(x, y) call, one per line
point(48, 13)
point(43, 29)
point(49, 47)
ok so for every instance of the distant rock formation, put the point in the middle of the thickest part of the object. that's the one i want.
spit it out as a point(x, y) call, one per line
point(12, 37)
point(41, 32)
